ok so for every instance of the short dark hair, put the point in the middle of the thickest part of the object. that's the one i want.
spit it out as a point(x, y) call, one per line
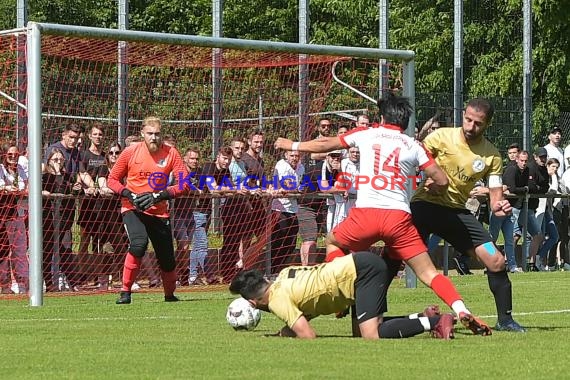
point(226, 151)
point(395, 109)
point(74, 128)
point(514, 146)
point(98, 126)
point(255, 132)
point(483, 105)
point(250, 284)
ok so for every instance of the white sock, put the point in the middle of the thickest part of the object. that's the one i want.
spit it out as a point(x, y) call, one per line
point(459, 307)
point(425, 323)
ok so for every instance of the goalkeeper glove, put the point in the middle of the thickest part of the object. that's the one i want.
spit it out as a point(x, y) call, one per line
point(145, 201)
point(126, 193)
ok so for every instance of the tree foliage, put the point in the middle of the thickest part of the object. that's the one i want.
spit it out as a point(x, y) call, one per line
point(493, 53)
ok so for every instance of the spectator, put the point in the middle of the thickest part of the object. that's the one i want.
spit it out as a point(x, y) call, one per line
point(429, 126)
point(349, 168)
point(515, 179)
point(329, 172)
point(169, 140)
point(547, 219)
point(512, 153)
point(259, 221)
point(341, 130)
point(538, 184)
point(131, 139)
point(310, 214)
point(288, 172)
point(362, 121)
point(73, 172)
point(13, 255)
point(233, 212)
point(182, 223)
point(91, 215)
point(200, 211)
point(553, 149)
point(56, 180)
point(144, 207)
point(216, 173)
point(324, 130)
point(112, 231)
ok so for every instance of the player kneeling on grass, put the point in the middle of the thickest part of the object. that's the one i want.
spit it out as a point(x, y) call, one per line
point(301, 293)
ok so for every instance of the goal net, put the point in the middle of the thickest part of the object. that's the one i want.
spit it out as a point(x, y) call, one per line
point(206, 96)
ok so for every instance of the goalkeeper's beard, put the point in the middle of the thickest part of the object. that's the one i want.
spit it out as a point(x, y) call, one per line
point(152, 146)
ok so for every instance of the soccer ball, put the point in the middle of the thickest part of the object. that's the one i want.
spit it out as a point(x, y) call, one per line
point(242, 316)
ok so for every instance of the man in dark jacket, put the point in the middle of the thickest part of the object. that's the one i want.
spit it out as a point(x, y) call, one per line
point(536, 183)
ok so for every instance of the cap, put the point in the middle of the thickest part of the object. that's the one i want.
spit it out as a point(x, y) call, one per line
point(556, 129)
point(338, 151)
point(539, 152)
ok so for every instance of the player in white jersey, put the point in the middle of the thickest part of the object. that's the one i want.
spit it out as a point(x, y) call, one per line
point(388, 161)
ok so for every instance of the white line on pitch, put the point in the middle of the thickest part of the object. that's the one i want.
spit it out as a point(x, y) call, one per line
point(533, 313)
point(92, 319)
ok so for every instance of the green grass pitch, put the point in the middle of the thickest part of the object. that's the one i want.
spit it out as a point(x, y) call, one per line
point(89, 337)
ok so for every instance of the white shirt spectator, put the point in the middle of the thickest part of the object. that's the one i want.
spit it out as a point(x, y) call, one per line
point(7, 179)
point(23, 162)
point(284, 169)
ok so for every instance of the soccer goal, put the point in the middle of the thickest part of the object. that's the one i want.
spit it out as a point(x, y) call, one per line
point(205, 90)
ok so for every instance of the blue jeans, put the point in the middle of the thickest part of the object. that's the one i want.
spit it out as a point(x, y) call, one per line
point(433, 243)
point(506, 225)
point(199, 243)
point(533, 228)
point(550, 230)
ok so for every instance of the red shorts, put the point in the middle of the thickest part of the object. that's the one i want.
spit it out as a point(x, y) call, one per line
point(366, 226)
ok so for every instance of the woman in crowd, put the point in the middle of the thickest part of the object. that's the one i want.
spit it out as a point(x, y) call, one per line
point(113, 231)
point(55, 183)
point(14, 245)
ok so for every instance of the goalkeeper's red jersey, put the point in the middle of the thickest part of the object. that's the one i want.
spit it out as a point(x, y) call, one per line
point(141, 171)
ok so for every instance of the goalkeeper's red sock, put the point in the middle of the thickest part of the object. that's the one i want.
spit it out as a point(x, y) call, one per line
point(445, 290)
point(168, 282)
point(130, 271)
point(333, 255)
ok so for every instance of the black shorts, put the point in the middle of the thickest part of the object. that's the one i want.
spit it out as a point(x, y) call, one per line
point(369, 287)
point(456, 226)
point(141, 227)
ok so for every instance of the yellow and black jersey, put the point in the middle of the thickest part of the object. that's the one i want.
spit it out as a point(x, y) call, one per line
point(464, 164)
point(313, 290)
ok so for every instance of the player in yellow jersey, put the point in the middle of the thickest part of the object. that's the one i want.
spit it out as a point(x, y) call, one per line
point(468, 157)
point(301, 293)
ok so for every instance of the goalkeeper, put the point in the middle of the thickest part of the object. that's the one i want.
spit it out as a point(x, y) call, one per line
point(301, 293)
point(141, 176)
